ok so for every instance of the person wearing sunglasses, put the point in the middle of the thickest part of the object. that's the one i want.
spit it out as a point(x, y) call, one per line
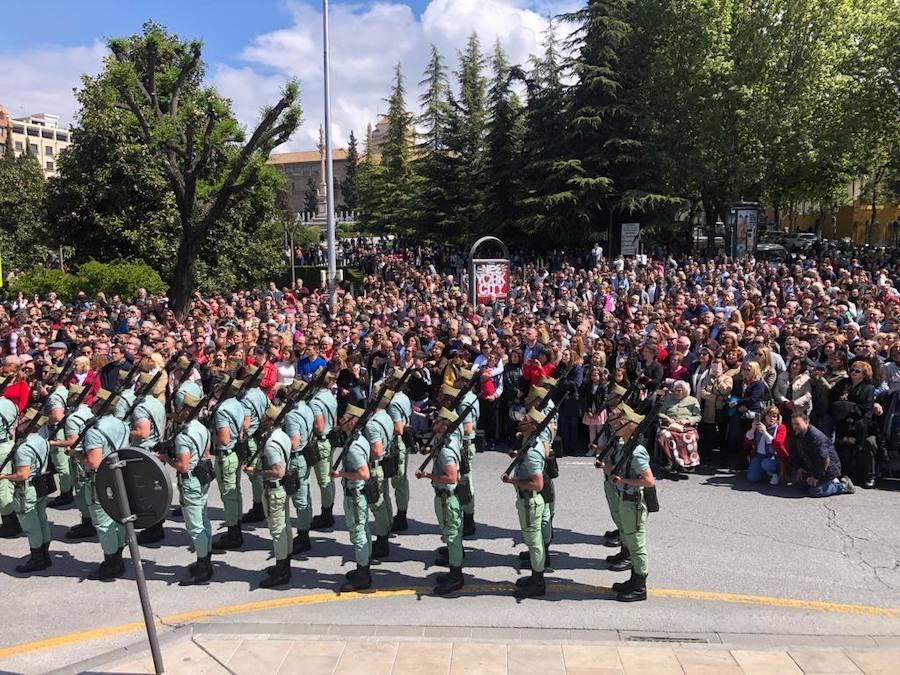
point(852, 403)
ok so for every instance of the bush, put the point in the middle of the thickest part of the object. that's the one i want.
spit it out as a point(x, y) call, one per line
point(118, 278)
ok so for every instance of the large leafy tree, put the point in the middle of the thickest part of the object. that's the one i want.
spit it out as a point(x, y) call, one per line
point(212, 169)
point(24, 239)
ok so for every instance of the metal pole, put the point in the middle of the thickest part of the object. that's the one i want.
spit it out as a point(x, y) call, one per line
point(329, 169)
point(293, 257)
point(116, 466)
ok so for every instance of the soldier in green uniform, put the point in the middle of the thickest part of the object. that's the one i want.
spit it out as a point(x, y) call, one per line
point(621, 561)
point(444, 479)
point(528, 480)
point(298, 425)
point(255, 402)
point(400, 412)
point(533, 398)
point(31, 510)
point(72, 425)
point(324, 407)
point(379, 431)
point(276, 456)
point(106, 436)
point(231, 422)
point(55, 410)
point(354, 474)
point(148, 427)
point(636, 476)
point(8, 416)
point(191, 446)
point(469, 426)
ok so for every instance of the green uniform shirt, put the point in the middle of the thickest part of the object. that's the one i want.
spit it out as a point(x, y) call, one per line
point(400, 408)
point(277, 450)
point(472, 416)
point(76, 421)
point(231, 415)
point(532, 463)
point(325, 404)
point(109, 434)
point(356, 457)
point(149, 408)
point(640, 461)
point(9, 413)
point(448, 455)
point(56, 400)
point(255, 403)
point(125, 400)
point(32, 453)
point(299, 422)
point(380, 427)
point(192, 439)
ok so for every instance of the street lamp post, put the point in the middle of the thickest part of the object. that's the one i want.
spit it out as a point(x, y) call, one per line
point(329, 169)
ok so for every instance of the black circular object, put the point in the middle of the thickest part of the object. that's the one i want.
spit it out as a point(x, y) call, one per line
point(147, 486)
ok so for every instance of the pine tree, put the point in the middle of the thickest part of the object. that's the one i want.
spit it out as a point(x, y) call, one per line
point(349, 184)
point(504, 147)
point(466, 137)
point(370, 187)
point(310, 196)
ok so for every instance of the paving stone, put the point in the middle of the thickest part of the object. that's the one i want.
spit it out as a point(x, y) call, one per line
point(766, 662)
point(707, 662)
point(478, 659)
point(649, 661)
point(591, 657)
point(367, 658)
point(526, 659)
point(415, 658)
point(823, 662)
point(880, 662)
point(259, 656)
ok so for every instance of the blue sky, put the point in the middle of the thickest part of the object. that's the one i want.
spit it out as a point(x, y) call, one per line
point(252, 47)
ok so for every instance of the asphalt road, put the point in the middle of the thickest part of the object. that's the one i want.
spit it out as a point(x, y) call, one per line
point(714, 535)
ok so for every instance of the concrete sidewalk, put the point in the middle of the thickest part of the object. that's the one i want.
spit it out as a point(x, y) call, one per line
point(192, 652)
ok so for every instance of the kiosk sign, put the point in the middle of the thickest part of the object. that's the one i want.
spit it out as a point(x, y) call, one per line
point(488, 277)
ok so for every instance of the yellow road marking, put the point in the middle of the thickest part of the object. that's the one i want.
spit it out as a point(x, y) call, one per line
point(320, 598)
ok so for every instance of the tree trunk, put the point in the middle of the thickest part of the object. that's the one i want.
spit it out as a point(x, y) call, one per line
point(709, 215)
point(183, 280)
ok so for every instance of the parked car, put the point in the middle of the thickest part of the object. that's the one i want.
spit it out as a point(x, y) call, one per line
point(772, 253)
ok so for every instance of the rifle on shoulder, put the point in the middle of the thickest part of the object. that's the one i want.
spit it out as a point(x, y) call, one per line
point(360, 425)
point(548, 418)
point(432, 451)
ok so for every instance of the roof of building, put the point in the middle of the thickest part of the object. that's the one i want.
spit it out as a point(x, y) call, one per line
point(305, 157)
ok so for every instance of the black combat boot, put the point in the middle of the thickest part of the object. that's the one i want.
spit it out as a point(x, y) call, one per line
point(279, 576)
point(152, 534)
point(47, 557)
point(623, 564)
point(622, 586)
point(84, 530)
point(112, 567)
point(381, 548)
point(525, 558)
point(612, 538)
point(359, 580)
point(10, 527)
point(450, 582)
point(199, 572)
point(533, 587)
point(233, 539)
point(468, 525)
point(636, 592)
point(36, 562)
point(301, 542)
point(64, 499)
point(323, 521)
point(623, 554)
point(400, 524)
point(255, 514)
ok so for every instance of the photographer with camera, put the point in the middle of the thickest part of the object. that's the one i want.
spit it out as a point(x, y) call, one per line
point(766, 446)
point(744, 407)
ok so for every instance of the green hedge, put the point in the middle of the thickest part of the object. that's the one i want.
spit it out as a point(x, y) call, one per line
point(117, 278)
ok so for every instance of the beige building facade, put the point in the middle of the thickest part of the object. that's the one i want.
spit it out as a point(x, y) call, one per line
point(39, 134)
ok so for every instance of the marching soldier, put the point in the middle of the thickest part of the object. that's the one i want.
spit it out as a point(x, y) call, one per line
point(255, 402)
point(630, 485)
point(71, 429)
point(468, 426)
point(621, 561)
point(298, 425)
point(324, 407)
point(106, 436)
point(231, 421)
point(379, 431)
point(444, 479)
point(354, 474)
point(276, 454)
point(148, 426)
point(9, 413)
point(535, 396)
point(125, 397)
point(31, 510)
point(400, 412)
point(55, 410)
point(191, 447)
point(528, 480)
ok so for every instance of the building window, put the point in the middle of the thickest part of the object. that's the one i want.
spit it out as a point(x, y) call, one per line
point(62, 136)
point(47, 133)
point(49, 166)
point(32, 131)
point(18, 130)
point(48, 150)
point(18, 146)
point(33, 149)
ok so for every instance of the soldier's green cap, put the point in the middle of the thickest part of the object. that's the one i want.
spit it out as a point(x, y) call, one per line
point(466, 373)
point(549, 381)
point(536, 415)
point(190, 401)
point(617, 389)
point(273, 411)
point(354, 411)
point(448, 415)
point(447, 390)
point(626, 411)
point(75, 390)
point(146, 378)
point(298, 384)
point(236, 384)
point(123, 374)
point(537, 392)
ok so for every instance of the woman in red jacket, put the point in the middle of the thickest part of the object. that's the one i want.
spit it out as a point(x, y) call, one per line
point(17, 390)
point(83, 375)
point(766, 447)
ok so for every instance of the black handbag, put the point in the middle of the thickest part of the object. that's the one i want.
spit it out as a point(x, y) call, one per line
point(552, 467)
point(242, 449)
point(390, 465)
point(205, 471)
point(291, 482)
point(310, 452)
point(44, 484)
point(651, 498)
point(463, 493)
point(371, 490)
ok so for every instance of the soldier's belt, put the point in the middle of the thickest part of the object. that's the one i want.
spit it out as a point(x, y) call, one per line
point(527, 494)
point(272, 484)
point(444, 494)
point(221, 452)
point(631, 497)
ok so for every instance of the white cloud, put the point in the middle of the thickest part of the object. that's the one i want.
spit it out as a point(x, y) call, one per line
point(43, 80)
point(367, 41)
